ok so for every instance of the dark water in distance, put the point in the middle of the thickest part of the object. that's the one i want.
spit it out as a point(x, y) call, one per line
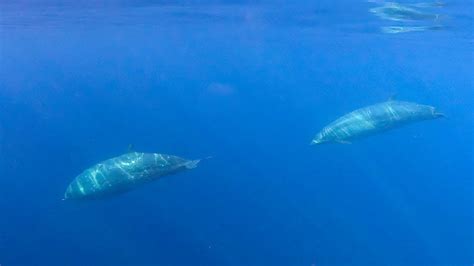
point(249, 83)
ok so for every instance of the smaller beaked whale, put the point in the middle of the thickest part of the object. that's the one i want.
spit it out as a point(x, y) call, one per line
point(374, 119)
point(405, 12)
point(124, 173)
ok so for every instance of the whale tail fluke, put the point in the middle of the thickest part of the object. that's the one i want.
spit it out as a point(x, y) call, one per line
point(194, 163)
point(439, 115)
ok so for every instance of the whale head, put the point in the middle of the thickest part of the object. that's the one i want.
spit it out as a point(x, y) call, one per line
point(319, 139)
point(70, 193)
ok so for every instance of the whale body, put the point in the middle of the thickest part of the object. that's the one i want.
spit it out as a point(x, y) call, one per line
point(374, 119)
point(399, 12)
point(124, 173)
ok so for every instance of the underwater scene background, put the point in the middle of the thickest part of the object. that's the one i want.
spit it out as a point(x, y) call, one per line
point(249, 83)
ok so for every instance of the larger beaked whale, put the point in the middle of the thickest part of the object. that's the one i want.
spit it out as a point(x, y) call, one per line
point(124, 173)
point(374, 119)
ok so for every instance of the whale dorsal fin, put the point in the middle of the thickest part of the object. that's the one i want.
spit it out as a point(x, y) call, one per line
point(392, 97)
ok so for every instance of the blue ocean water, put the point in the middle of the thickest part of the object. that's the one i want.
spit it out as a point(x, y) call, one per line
point(249, 83)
